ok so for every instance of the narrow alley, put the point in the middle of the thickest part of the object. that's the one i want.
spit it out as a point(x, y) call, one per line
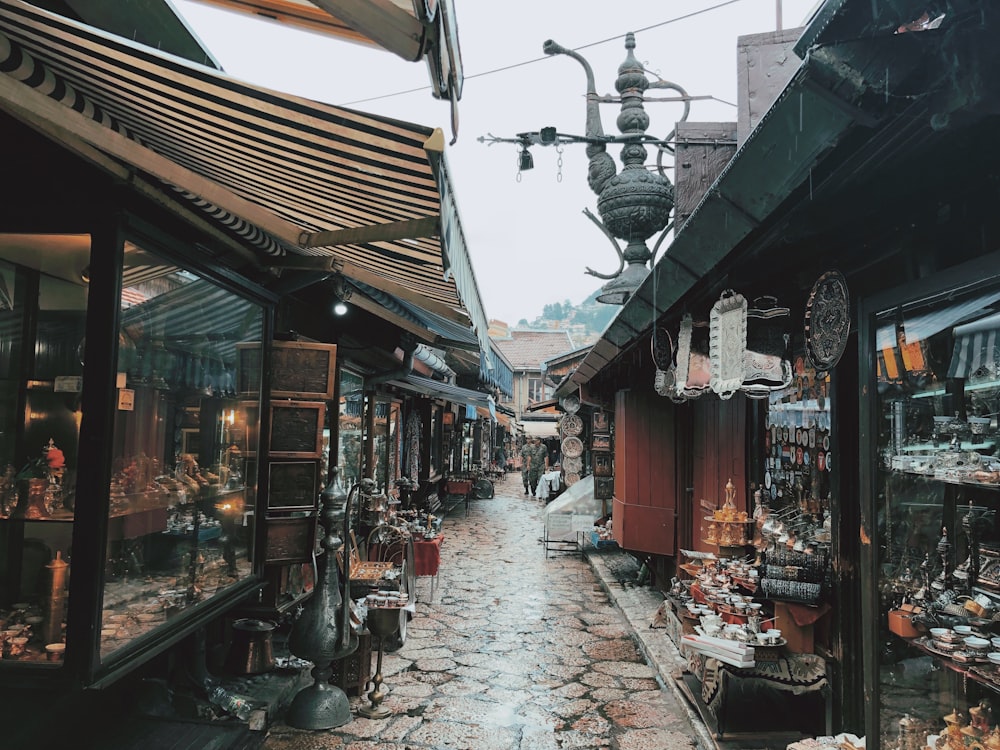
point(516, 652)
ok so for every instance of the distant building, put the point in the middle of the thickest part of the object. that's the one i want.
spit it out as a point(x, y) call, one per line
point(560, 366)
point(499, 329)
point(527, 351)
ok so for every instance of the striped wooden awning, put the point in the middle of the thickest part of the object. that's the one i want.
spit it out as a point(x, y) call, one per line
point(304, 184)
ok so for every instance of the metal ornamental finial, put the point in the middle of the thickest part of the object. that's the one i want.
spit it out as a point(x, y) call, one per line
point(635, 203)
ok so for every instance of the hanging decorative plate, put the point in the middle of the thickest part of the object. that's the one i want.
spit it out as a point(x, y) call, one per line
point(572, 447)
point(571, 425)
point(570, 404)
point(727, 342)
point(571, 478)
point(827, 321)
point(572, 465)
point(662, 348)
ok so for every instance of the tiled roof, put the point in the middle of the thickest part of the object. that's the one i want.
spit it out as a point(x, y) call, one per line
point(527, 350)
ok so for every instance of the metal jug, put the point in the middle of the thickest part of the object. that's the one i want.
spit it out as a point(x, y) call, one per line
point(251, 651)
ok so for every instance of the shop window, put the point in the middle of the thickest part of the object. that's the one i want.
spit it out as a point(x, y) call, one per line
point(181, 488)
point(43, 320)
point(382, 443)
point(349, 451)
point(935, 478)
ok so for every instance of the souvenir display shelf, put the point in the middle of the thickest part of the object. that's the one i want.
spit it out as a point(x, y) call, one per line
point(936, 486)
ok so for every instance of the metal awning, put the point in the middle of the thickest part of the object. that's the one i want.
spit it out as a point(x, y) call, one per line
point(540, 429)
point(305, 184)
point(425, 29)
point(446, 391)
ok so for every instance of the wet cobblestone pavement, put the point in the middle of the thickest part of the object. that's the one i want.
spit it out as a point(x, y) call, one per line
point(516, 652)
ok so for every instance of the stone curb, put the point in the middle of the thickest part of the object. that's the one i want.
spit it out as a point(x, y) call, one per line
point(639, 604)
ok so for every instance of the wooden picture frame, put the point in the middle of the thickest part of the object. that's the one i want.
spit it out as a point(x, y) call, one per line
point(604, 488)
point(299, 370)
point(602, 463)
point(600, 422)
point(600, 442)
point(292, 485)
point(289, 540)
point(297, 429)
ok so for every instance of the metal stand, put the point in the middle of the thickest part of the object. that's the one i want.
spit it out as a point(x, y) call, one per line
point(382, 622)
point(323, 634)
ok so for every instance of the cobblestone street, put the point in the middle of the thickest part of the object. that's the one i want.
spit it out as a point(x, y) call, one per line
point(516, 652)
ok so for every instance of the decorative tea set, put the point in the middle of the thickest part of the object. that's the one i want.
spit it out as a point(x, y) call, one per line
point(23, 632)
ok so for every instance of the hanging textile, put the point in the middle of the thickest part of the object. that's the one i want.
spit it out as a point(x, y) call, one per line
point(413, 429)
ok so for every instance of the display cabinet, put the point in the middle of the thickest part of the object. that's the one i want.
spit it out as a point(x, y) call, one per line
point(931, 465)
point(134, 501)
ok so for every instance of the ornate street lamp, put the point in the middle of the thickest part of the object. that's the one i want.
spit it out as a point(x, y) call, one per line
point(633, 204)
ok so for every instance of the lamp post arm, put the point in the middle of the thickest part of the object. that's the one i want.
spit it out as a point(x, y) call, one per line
point(611, 238)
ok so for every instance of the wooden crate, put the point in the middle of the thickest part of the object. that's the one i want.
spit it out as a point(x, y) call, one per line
point(353, 672)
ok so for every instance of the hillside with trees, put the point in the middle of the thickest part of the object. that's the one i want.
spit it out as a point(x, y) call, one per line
point(584, 322)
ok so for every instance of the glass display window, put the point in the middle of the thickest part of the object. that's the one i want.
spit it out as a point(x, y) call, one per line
point(935, 480)
point(349, 429)
point(382, 443)
point(43, 311)
point(181, 492)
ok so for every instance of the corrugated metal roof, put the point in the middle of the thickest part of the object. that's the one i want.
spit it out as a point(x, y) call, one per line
point(278, 172)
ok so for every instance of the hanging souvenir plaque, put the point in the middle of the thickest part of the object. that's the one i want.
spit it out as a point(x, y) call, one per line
point(662, 348)
point(827, 321)
point(766, 365)
point(572, 447)
point(570, 404)
point(572, 465)
point(571, 425)
point(693, 373)
point(727, 342)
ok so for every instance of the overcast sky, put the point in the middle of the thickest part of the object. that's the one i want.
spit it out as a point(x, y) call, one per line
point(528, 239)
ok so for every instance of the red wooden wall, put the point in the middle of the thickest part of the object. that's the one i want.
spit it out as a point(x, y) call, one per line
point(646, 476)
point(718, 455)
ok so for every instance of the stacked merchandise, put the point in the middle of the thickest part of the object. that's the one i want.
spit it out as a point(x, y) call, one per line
point(728, 651)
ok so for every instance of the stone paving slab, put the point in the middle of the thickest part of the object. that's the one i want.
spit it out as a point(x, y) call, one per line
point(522, 652)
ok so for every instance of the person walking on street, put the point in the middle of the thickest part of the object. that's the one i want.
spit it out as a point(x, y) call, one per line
point(526, 453)
point(538, 464)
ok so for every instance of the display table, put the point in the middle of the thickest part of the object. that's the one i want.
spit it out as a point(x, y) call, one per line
point(757, 700)
point(549, 485)
point(456, 490)
point(427, 560)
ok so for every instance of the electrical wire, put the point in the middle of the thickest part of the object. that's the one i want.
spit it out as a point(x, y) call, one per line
point(513, 66)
